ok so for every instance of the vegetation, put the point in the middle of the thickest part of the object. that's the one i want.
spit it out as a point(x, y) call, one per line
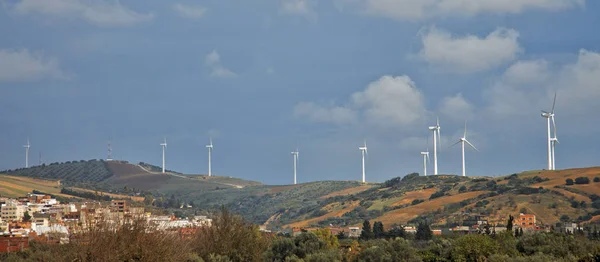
point(77, 171)
point(582, 180)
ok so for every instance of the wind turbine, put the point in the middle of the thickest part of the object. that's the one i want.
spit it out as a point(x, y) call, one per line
point(27, 153)
point(425, 160)
point(550, 118)
point(163, 145)
point(436, 131)
point(363, 150)
point(295, 155)
point(210, 149)
point(464, 140)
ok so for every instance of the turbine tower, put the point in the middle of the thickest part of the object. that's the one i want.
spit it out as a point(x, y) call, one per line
point(295, 154)
point(163, 145)
point(425, 160)
point(210, 149)
point(550, 118)
point(363, 150)
point(27, 153)
point(109, 157)
point(464, 140)
point(436, 136)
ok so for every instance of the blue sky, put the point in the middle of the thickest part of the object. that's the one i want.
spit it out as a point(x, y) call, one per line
point(265, 76)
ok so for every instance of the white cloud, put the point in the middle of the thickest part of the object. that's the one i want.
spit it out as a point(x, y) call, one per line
point(423, 9)
point(213, 61)
point(457, 108)
point(299, 7)
point(102, 13)
point(469, 53)
point(527, 72)
point(389, 101)
point(576, 85)
point(325, 114)
point(189, 11)
point(22, 65)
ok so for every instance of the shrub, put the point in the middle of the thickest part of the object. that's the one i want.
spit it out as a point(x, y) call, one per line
point(582, 180)
point(437, 194)
point(417, 201)
point(569, 182)
point(596, 179)
point(462, 189)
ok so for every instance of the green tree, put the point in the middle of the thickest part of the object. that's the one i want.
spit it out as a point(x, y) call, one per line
point(424, 232)
point(569, 182)
point(378, 231)
point(366, 232)
point(325, 235)
point(462, 189)
point(473, 247)
point(509, 223)
point(26, 217)
point(397, 232)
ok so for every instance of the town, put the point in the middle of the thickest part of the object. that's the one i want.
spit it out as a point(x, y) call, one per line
point(39, 217)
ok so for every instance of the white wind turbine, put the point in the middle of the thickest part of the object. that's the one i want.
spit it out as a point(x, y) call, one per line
point(551, 140)
point(464, 140)
point(295, 154)
point(163, 145)
point(363, 150)
point(210, 149)
point(425, 161)
point(27, 153)
point(436, 136)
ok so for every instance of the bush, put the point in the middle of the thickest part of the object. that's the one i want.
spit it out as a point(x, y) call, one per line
point(596, 179)
point(569, 182)
point(462, 189)
point(582, 180)
point(437, 194)
point(417, 201)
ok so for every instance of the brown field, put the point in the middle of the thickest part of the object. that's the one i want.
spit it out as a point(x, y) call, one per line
point(338, 213)
point(570, 194)
point(118, 196)
point(15, 186)
point(410, 196)
point(348, 191)
point(591, 188)
point(134, 175)
point(403, 215)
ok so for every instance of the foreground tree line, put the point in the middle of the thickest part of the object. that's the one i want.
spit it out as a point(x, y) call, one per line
point(233, 239)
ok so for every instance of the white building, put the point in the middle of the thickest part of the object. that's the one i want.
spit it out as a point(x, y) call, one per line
point(12, 211)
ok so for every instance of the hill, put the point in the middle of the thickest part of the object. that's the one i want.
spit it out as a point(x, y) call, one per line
point(122, 179)
point(447, 200)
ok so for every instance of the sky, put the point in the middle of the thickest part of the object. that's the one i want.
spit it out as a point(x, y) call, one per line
point(264, 77)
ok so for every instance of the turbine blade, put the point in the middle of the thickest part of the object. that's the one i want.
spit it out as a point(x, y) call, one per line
point(439, 139)
point(554, 126)
point(554, 103)
point(469, 143)
point(456, 143)
point(465, 135)
point(428, 160)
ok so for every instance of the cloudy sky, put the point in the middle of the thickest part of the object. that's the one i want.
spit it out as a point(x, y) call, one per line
point(262, 77)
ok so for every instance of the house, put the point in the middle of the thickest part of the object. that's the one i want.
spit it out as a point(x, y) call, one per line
point(13, 244)
point(526, 221)
point(12, 211)
point(354, 232)
point(118, 206)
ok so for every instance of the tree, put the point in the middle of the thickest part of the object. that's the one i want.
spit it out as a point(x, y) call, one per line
point(366, 233)
point(325, 235)
point(397, 232)
point(473, 247)
point(582, 180)
point(509, 224)
point(462, 189)
point(569, 182)
point(520, 232)
point(565, 218)
point(26, 217)
point(596, 179)
point(424, 232)
point(378, 231)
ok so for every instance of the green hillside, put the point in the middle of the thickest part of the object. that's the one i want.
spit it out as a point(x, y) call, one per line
point(75, 171)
